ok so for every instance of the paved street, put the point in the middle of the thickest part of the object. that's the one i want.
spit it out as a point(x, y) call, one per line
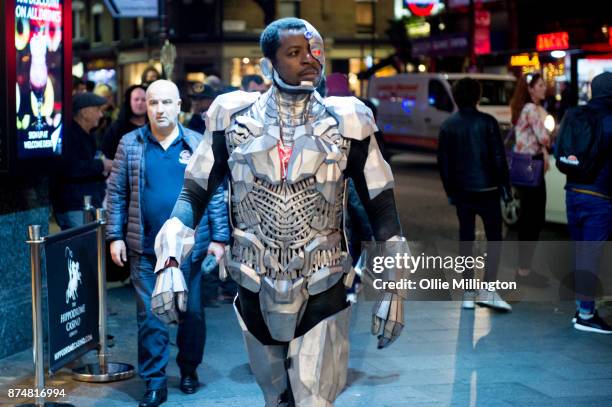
point(446, 356)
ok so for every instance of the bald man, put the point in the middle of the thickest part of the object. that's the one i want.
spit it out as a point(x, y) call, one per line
point(145, 182)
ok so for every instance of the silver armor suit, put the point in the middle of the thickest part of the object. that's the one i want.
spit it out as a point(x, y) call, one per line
point(286, 156)
point(287, 230)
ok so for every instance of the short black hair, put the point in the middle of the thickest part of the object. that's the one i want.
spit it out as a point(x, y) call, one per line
point(247, 79)
point(467, 92)
point(270, 37)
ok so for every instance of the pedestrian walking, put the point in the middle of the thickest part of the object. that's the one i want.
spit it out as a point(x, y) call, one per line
point(474, 172)
point(132, 115)
point(82, 168)
point(532, 137)
point(146, 179)
point(588, 194)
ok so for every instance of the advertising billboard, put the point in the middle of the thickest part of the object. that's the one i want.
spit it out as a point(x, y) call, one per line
point(36, 41)
point(39, 77)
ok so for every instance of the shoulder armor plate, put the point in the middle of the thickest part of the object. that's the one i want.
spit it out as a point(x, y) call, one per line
point(355, 119)
point(219, 114)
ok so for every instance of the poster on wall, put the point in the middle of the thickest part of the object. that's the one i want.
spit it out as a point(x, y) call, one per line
point(39, 77)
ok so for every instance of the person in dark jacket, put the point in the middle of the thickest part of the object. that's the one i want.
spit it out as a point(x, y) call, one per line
point(589, 212)
point(133, 114)
point(253, 83)
point(146, 179)
point(474, 172)
point(201, 99)
point(82, 169)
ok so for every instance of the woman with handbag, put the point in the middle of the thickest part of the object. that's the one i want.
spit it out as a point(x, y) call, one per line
point(531, 157)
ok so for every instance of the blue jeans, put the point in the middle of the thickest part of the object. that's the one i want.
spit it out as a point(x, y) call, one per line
point(153, 338)
point(70, 219)
point(589, 219)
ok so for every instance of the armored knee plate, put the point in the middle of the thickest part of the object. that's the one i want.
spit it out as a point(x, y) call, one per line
point(267, 364)
point(319, 361)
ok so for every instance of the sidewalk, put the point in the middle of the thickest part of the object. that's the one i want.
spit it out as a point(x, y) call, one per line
point(446, 356)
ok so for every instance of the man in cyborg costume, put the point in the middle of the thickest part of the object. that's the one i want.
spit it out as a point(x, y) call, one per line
point(288, 154)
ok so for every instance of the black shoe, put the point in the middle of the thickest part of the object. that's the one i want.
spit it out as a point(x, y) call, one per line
point(153, 398)
point(593, 324)
point(575, 318)
point(189, 383)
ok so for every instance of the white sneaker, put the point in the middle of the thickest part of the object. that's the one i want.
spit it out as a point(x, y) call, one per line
point(492, 299)
point(468, 300)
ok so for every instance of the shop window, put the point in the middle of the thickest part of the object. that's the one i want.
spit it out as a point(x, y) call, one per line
point(138, 28)
point(289, 8)
point(96, 12)
point(364, 16)
point(116, 29)
point(438, 96)
point(77, 19)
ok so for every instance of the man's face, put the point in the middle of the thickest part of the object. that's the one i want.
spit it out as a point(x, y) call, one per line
point(254, 87)
point(138, 102)
point(90, 116)
point(294, 62)
point(80, 88)
point(163, 105)
point(151, 76)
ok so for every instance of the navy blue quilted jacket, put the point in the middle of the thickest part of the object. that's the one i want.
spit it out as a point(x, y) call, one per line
point(124, 206)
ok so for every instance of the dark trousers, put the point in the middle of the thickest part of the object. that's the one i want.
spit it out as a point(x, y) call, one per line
point(487, 206)
point(531, 221)
point(153, 337)
point(589, 219)
point(213, 286)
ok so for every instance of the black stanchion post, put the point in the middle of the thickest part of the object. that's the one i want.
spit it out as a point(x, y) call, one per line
point(36, 241)
point(101, 218)
point(39, 373)
point(103, 371)
point(89, 212)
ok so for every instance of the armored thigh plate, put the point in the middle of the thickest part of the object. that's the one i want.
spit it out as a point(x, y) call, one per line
point(318, 361)
point(267, 364)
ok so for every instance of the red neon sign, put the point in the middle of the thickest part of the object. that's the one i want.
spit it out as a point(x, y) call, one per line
point(421, 8)
point(552, 41)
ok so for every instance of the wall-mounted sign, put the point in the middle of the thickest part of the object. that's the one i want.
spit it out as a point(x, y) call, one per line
point(441, 45)
point(422, 8)
point(525, 60)
point(453, 4)
point(132, 8)
point(39, 77)
point(418, 29)
point(482, 32)
point(552, 41)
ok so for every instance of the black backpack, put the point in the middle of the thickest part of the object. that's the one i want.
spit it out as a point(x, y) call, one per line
point(579, 152)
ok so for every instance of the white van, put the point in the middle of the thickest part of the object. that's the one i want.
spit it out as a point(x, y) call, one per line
point(412, 107)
